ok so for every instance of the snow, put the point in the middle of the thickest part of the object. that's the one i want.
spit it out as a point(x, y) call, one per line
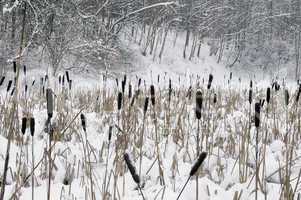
point(220, 173)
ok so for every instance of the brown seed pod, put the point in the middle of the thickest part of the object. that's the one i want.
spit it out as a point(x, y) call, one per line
point(198, 163)
point(257, 114)
point(110, 132)
point(67, 76)
point(210, 81)
point(268, 97)
point(250, 96)
point(32, 126)
point(131, 168)
point(83, 120)
point(214, 99)
point(24, 69)
point(49, 98)
point(15, 66)
point(2, 80)
point(145, 105)
point(119, 101)
point(287, 96)
point(152, 91)
point(23, 126)
point(199, 104)
point(10, 82)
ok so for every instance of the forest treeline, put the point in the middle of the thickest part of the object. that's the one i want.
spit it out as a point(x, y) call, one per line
point(263, 33)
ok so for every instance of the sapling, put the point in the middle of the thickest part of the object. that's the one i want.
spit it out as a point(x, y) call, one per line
point(194, 170)
point(257, 124)
point(132, 170)
point(198, 113)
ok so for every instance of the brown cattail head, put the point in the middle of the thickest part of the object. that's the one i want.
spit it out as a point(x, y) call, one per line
point(24, 69)
point(298, 94)
point(63, 81)
point(60, 80)
point(287, 96)
point(2, 80)
point(257, 114)
point(214, 99)
point(169, 90)
point(210, 81)
point(145, 105)
point(158, 78)
point(10, 82)
point(83, 120)
point(119, 101)
point(15, 66)
point(33, 82)
point(117, 82)
point(199, 104)
point(250, 96)
point(130, 91)
point(70, 84)
point(110, 132)
point(268, 95)
point(13, 91)
point(49, 98)
point(131, 167)
point(32, 126)
point(123, 86)
point(67, 76)
point(152, 91)
point(139, 82)
point(26, 88)
point(198, 163)
point(230, 75)
point(251, 84)
point(23, 126)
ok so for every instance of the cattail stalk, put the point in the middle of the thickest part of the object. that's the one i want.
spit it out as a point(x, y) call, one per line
point(257, 124)
point(142, 132)
point(32, 131)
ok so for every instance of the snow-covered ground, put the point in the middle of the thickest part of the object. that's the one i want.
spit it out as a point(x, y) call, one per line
point(226, 129)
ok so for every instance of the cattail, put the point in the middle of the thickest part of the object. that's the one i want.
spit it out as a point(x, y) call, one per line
point(67, 76)
point(33, 82)
point(83, 120)
point(298, 94)
point(230, 75)
point(251, 84)
point(122, 86)
point(198, 163)
point(131, 167)
point(70, 84)
point(32, 126)
point(152, 91)
point(26, 88)
point(117, 83)
point(139, 82)
point(119, 100)
point(199, 104)
point(60, 80)
point(286, 97)
point(63, 81)
point(257, 114)
point(158, 78)
point(145, 105)
point(110, 132)
point(130, 91)
point(23, 126)
point(2, 80)
point(250, 96)
point(10, 82)
point(15, 66)
point(24, 69)
point(268, 95)
point(169, 90)
point(210, 81)
point(49, 98)
point(13, 91)
point(214, 99)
